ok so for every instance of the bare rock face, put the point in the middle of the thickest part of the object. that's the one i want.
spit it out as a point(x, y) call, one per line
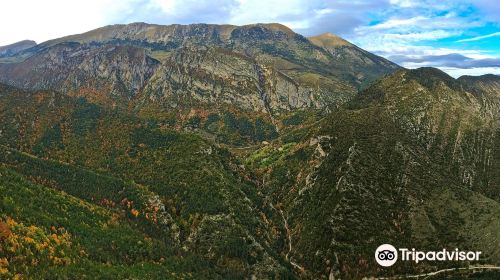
point(219, 76)
point(261, 67)
point(121, 70)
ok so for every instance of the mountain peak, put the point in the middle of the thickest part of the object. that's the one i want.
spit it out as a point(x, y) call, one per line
point(141, 31)
point(16, 47)
point(328, 40)
point(485, 77)
point(273, 27)
point(23, 42)
point(428, 77)
point(431, 74)
point(269, 44)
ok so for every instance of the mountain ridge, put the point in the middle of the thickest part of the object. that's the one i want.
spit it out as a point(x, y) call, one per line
point(281, 69)
point(240, 152)
point(15, 48)
point(329, 40)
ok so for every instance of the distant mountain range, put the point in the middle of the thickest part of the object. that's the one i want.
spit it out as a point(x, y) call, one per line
point(238, 152)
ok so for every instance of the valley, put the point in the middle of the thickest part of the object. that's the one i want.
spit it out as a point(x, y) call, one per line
point(238, 152)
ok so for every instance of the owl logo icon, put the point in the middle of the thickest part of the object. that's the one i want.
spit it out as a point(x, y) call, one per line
point(386, 255)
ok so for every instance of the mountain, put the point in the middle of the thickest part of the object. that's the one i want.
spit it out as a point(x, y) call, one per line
point(239, 152)
point(263, 67)
point(412, 160)
point(190, 75)
point(171, 187)
point(487, 88)
point(15, 48)
point(352, 59)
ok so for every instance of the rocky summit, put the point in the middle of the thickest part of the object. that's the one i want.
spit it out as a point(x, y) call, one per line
point(206, 151)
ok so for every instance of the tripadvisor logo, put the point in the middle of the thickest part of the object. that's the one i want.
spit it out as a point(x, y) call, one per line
point(387, 255)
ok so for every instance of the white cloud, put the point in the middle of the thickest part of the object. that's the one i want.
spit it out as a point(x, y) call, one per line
point(44, 20)
point(167, 6)
point(457, 72)
point(398, 23)
point(479, 37)
point(321, 12)
point(409, 33)
point(418, 51)
point(403, 3)
point(420, 36)
point(49, 19)
point(249, 11)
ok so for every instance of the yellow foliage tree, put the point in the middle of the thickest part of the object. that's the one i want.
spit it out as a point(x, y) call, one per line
point(23, 247)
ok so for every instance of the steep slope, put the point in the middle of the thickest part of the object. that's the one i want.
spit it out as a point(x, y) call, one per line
point(277, 69)
point(352, 59)
point(56, 235)
point(217, 76)
point(191, 196)
point(121, 71)
point(446, 116)
point(489, 83)
point(487, 90)
point(413, 161)
point(253, 40)
point(226, 123)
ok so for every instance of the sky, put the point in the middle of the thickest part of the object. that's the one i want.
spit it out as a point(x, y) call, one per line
point(461, 37)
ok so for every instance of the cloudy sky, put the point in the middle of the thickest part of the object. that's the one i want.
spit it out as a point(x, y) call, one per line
point(460, 36)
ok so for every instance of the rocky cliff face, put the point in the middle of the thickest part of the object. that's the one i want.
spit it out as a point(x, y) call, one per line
point(262, 67)
point(118, 70)
point(487, 89)
point(220, 76)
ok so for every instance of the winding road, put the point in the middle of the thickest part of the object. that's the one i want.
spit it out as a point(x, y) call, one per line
point(429, 274)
